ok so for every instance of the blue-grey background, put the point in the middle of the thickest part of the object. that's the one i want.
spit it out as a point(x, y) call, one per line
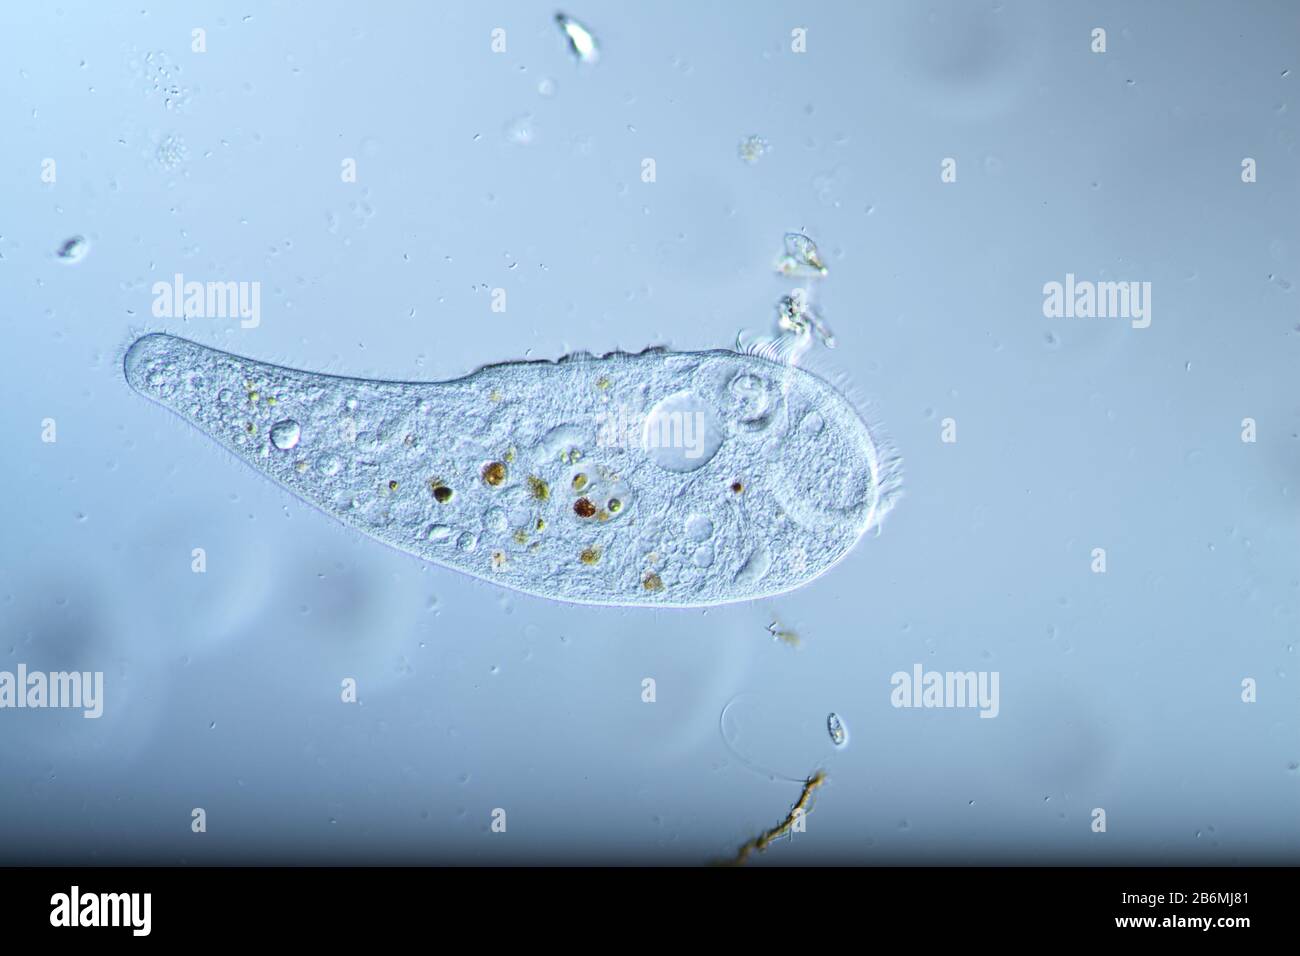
point(1119, 691)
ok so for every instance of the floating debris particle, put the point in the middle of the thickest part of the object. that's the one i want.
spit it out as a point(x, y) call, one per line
point(836, 727)
point(798, 322)
point(74, 250)
point(765, 839)
point(794, 315)
point(521, 131)
point(783, 634)
point(171, 153)
point(581, 43)
point(801, 257)
point(753, 148)
point(494, 474)
point(821, 330)
point(160, 77)
point(790, 310)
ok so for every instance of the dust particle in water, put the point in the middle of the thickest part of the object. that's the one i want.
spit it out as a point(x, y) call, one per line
point(74, 250)
point(753, 148)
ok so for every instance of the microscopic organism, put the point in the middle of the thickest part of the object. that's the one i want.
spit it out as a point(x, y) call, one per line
point(658, 478)
point(802, 257)
point(838, 730)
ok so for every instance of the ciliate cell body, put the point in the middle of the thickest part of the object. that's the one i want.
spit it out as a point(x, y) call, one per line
point(660, 478)
point(838, 731)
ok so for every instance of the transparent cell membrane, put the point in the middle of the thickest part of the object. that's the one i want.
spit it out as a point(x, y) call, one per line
point(661, 478)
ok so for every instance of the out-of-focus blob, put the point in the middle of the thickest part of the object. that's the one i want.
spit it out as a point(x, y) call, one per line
point(753, 148)
point(581, 43)
point(73, 250)
point(660, 478)
point(785, 635)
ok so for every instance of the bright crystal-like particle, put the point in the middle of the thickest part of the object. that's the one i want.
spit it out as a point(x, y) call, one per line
point(581, 43)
